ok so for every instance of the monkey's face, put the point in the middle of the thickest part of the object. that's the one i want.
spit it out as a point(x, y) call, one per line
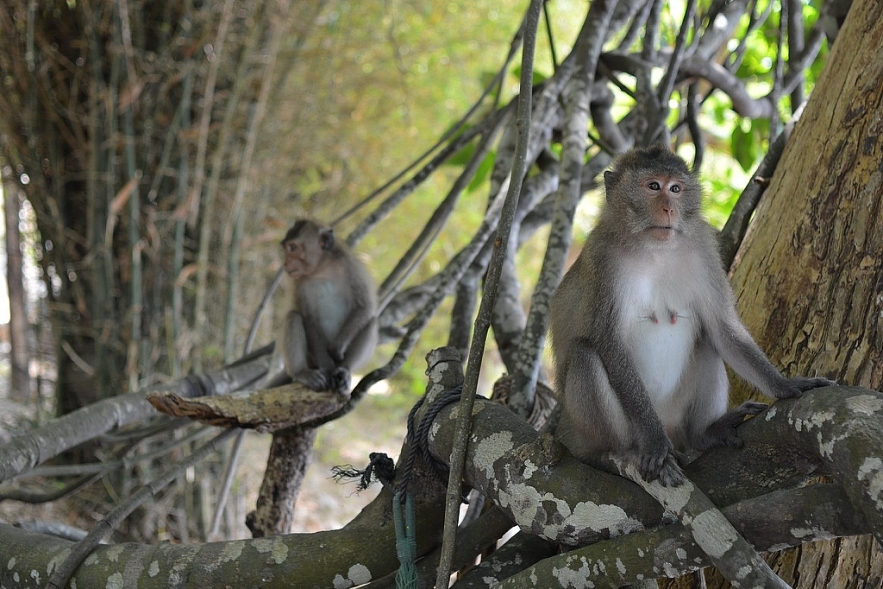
point(653, 194)
point(662, 195)
point(300, 261)
point(656, 205)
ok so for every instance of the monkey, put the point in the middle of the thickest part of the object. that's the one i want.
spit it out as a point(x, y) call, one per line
point(643, 322)
point(331, 328)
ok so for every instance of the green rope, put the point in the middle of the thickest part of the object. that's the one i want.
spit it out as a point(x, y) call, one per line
point(406, 542)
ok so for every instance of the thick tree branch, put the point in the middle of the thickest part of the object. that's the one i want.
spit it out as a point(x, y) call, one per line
point(550, 494)
point(782, 518)
point(363, 550)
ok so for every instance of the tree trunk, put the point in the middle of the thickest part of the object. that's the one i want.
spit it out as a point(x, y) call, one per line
point(290, 455)
point(809, 278)
point(19, 357)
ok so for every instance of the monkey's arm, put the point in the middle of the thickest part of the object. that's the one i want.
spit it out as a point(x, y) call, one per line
point(656, 458)
point(739, 350)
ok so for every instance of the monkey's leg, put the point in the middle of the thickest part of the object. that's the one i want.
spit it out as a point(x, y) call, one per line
point(625, 397)
point(709, 424)
point(276, 374)
point(361, 348)
point(593, 422)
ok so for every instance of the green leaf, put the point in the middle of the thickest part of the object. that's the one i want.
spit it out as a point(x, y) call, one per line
point(742, 146)
point(483, 171)
point(537, 77)
point(462, 157)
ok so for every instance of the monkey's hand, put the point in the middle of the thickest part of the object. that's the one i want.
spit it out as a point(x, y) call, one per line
point(659, 461)
point(795, 387)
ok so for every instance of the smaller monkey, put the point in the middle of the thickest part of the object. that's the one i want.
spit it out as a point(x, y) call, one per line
point(331, 328)
point(643, 322)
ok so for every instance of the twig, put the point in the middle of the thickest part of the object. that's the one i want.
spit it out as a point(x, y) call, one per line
point(229, 472)
point(693, 125)
point(265, 302)
point(637, 27)
point(393, 200)
point(779, 71)
point(731, 235)
point(666, 86)
point(482, 322)
point(795, 47)
point(550, 36)
point(417, 250)
point(77, 359)
point(754, 22)
point(530, 346)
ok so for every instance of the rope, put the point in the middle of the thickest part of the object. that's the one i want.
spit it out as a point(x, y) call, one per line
point(406, 541)
point(418, 437)
point(382, 468)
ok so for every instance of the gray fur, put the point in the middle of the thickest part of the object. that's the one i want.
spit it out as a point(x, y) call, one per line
point(633, 301)
point(331, 329)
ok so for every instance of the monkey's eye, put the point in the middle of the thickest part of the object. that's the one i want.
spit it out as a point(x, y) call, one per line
point(675, 187)
point(290, 247)
point(654, 185)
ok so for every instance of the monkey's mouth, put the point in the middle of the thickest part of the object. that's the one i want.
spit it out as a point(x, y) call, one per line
point(294, 272)
point(662, 232)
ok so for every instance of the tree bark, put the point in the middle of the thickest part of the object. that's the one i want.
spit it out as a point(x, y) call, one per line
point(809, 278)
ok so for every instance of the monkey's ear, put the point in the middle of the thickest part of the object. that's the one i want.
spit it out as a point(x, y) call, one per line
point(326, 239)
point(610, 178)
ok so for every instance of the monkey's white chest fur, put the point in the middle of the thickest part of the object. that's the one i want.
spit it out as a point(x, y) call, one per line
point(660, 330)
point(331, 305)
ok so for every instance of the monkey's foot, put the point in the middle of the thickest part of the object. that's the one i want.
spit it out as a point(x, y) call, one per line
point(313, 379)
point(339, 380)
point(723, 431)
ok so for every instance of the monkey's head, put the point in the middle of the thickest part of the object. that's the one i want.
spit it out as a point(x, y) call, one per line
point(652, 193)
point(305, 246)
